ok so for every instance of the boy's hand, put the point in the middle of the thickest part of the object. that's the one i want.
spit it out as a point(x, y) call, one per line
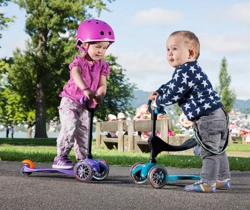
point(153, 96)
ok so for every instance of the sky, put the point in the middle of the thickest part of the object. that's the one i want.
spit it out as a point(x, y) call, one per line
point(142, 27)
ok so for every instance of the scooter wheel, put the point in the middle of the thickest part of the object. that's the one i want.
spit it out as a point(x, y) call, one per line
point(27, 163)
point(136, 177)
point(157, 176)
point(103, 173)
point(25, 173)
point(83, 172)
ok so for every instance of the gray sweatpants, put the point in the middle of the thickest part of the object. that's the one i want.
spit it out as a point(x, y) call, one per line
point(74, 129)
point(213, 133)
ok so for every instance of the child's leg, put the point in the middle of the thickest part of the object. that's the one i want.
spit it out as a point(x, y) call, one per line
point(213, 135)
point(213, 131)
point(69, 123)
point(81, 137)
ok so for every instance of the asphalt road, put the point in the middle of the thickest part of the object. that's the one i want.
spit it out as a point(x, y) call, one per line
point(58, 191)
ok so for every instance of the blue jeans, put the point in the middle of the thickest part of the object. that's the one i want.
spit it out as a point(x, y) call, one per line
point(213, 133)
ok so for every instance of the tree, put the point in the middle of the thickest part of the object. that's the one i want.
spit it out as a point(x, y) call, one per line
point(52, 26)
point(119, 91)
point(4, 20)
point(227, 96)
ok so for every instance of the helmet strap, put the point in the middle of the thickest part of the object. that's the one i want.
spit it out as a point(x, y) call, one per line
point(82, 49)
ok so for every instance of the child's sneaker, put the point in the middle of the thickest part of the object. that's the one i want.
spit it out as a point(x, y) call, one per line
point(200, 187)
point(223, 185)
point(62, 162)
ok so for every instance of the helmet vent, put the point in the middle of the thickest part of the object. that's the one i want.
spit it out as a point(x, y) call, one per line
point(102, 33)
point(110, 33)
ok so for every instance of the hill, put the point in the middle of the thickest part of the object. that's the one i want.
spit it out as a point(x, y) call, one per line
point(141, 97)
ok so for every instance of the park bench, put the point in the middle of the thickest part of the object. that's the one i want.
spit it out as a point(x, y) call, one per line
point(131, 141)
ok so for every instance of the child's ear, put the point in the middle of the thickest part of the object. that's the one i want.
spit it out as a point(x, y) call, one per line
point(85, 45)
point(191, 54)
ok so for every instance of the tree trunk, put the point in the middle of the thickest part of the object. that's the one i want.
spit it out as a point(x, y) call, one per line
point(40, 131)
point(29, 131)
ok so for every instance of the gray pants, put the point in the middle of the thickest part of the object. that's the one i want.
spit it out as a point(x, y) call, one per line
point(213, 133)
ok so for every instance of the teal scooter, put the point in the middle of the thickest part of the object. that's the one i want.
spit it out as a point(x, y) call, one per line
point(151, 171)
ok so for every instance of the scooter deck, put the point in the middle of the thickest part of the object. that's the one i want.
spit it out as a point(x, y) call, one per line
point(157, 145)
point(26, 169)
point(183, 177)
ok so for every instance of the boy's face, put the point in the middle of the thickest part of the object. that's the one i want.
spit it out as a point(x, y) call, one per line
point(178, 52)
point(97, 50)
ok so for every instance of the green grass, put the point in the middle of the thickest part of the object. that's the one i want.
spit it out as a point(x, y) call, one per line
point(38, 151)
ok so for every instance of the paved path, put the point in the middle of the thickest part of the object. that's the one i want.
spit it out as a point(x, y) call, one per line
point(42, 191)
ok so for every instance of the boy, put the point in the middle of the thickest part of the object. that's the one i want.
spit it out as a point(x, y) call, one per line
point(194, 93)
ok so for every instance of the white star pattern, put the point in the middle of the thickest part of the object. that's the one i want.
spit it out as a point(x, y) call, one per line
point(204, 83)
point(201, 101)
point(211, 97)
point(184, 79)
point(175, 98)
point(176, 76)
point(206, 106)
point(187, 106)
point(168, 92)
point(198, 110)
point(194, 103)
point(199, 94)
point(210, 90)
point(171, 85)
point(198, 76)
point(189, 86)
point(168, 103)
point(180, 90)
point(190, 115)
point(192, 69)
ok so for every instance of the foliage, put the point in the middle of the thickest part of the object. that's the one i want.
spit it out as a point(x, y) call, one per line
point(119, 91)
point(227, 96)
point(4, 20)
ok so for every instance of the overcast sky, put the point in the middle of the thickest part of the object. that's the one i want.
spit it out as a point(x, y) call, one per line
point(142, 27)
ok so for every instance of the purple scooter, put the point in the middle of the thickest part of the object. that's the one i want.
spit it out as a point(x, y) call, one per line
point(85, 169)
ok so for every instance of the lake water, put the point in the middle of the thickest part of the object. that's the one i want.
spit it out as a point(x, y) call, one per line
point(20, 134)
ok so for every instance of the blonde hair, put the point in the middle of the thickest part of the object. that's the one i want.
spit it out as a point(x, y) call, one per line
point(190, 39)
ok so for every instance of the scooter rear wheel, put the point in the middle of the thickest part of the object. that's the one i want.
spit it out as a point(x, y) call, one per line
point(136, 177)
point(157, 176)
point(83, 172)
point(103, 173)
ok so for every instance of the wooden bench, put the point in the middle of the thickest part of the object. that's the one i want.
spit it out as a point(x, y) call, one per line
point(110, 143)
point(129, 142)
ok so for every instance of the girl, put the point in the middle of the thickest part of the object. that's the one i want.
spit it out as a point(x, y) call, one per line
point(88, 74)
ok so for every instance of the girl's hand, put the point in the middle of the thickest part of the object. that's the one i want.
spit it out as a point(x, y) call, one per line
point(89, 94)
point(98, 99)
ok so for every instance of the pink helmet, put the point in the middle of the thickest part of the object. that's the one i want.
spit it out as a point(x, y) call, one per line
point(93, 30)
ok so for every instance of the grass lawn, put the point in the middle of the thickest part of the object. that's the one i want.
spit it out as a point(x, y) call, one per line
point(44, 150)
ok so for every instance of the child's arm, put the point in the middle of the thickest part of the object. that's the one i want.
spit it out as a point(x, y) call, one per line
point(101, 91)
point(76, 75)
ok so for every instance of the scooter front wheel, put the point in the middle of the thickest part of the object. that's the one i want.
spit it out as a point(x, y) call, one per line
point(157, 176)
point(83, 172)
point(104, 171)
point(136, 177)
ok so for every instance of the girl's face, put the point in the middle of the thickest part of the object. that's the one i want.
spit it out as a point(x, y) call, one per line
point(96, 50)
point(178, 52)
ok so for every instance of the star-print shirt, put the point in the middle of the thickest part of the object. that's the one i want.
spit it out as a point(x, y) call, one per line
point(192, 90)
